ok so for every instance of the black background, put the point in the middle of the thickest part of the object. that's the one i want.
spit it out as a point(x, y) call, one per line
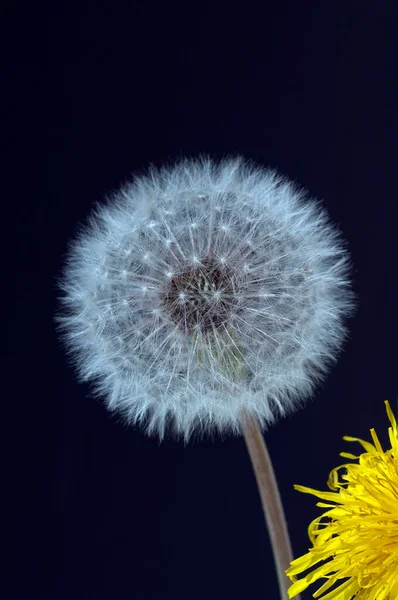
point(102, 89)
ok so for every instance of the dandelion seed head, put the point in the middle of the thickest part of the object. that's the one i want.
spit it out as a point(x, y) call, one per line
point(204, 289)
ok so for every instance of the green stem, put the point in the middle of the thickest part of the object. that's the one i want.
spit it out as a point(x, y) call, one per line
point(271, 501)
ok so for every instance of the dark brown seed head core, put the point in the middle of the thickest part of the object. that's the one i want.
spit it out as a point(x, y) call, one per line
point(200, 296)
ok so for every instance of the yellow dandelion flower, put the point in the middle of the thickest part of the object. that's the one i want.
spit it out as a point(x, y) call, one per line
point(358, 535)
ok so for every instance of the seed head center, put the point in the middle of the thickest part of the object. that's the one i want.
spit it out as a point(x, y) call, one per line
point(200, 296)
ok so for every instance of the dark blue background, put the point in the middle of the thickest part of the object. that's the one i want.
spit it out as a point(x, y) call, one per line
point(102, 89)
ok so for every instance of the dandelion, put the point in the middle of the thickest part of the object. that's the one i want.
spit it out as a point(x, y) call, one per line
point(358, 535)
point(208, 297)
point(204, 290)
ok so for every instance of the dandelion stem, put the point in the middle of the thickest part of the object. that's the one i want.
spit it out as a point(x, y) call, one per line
point(271, 501)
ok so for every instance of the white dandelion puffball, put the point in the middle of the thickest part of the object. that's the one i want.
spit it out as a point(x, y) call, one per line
point(204, 290)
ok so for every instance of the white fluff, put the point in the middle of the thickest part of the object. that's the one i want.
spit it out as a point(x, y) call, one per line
point(172, 338)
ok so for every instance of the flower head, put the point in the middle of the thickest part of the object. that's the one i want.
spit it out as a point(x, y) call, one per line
point(203, 289)
point(358, 535)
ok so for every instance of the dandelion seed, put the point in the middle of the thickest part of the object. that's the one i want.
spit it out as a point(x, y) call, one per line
point(202, 290)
